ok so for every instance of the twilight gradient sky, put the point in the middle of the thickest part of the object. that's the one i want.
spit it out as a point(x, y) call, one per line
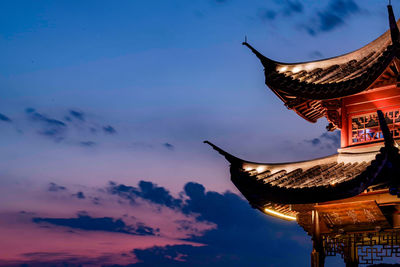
point(126, 91)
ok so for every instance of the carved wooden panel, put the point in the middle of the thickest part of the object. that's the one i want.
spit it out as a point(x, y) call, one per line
point(333, 112)
point(360, 215)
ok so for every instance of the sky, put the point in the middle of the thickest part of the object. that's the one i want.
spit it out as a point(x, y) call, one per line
point(104, 107)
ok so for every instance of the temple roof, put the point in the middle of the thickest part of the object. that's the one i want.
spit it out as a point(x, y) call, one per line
point(339, 176)
point(319, 180)
point(303, 85)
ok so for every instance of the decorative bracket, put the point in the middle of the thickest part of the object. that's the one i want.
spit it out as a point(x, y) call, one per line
point(333, 112)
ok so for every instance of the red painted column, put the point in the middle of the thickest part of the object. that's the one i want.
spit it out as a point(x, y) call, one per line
point(345, 132)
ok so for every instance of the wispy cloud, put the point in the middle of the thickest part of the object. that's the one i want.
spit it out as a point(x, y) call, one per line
point(53, 187)
point(4, 118)
point(77, 115)
point(169, 146)
point(107, 224)
point(109, 129)
point(146, 190)
point(316, 54)
point(196, 227)
point(326, 140)
point(69, 127)
point(87, 143)
point(332, 16)
point(291, 7)
point(49, 127)
point(238, 240)
point(284, 8)
point(79, 195)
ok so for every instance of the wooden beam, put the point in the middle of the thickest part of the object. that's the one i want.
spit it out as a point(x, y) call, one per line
point(381, 197)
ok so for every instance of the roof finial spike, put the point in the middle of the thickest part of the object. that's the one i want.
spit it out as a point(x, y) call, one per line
point(232, 159)
point(394, 30)
point(245, 38)
point(264, 60)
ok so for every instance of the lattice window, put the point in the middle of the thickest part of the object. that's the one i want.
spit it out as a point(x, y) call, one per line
point(364, 248)
point(365, 128)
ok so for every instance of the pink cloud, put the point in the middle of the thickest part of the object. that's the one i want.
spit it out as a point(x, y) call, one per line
point(25, 241)
point(22, 241)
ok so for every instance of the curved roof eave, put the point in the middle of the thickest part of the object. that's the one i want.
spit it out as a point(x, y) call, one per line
point(334, 77)
point(379, 44)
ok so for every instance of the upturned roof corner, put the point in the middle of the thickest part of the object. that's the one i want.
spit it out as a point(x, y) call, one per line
point(266, 62)
point(229, 157)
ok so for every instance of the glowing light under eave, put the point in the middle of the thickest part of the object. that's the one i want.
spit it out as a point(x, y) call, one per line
point(280, 215)
point(296, 69)
point(260, 169)
point(283, 69)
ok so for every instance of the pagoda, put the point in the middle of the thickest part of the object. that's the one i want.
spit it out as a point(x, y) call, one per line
point(348, 202)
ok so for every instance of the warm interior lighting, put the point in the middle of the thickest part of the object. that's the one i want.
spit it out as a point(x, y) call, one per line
point(280, 215)
point(333, 183)
point(248, 169)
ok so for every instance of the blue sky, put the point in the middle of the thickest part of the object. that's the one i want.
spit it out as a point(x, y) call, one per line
point(166, 72)
point(124, 91)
